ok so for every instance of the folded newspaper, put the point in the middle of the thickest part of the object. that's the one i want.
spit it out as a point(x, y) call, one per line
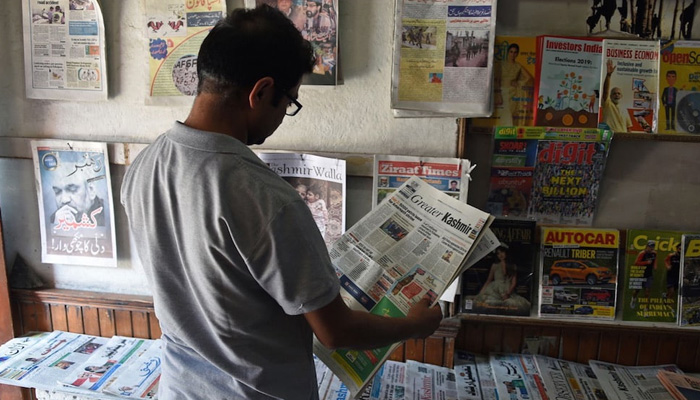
point(415, 243)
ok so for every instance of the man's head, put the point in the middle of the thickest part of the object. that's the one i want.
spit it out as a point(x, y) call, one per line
point(73, 183)
point(253, 60)
point(312, 8)
point(251, 44)
point(650, 246)
point(671, 77)
point(284, 5)
point(616, 95)
point(453, 185)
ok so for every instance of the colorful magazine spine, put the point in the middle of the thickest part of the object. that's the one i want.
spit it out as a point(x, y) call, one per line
point(501, 283)
point(679, 77)
point(629, 84)
point(651, 276)
point(578, 273)
point(567, 81)
point(689, 296)
point(514, 61)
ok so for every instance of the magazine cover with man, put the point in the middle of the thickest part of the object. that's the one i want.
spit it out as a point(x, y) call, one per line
point(75, 202)
point(578, 272)
point(652, 275)
point(501, 283)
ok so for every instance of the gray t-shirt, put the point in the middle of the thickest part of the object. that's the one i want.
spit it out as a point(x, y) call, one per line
point(234, 259)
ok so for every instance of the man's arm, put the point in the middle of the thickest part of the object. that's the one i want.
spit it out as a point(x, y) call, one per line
point(606, 83)
point(337, 326)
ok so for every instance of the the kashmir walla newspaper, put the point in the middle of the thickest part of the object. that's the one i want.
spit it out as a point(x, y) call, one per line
point(412, 244)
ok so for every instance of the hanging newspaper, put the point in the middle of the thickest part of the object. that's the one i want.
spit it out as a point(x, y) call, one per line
point(75, 202)
point(64, 50)
point(411, 245)
point(320, 181)
point(175, 30)
point(443, 56)
point(449, 175)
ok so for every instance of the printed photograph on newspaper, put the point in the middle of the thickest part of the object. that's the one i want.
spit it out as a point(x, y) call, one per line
point(320, 181)
point(75, 202)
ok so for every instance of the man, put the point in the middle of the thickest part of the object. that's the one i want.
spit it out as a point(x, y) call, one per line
point(618, 120)
point(673, 272)
point(240, 274)
point(293, 12)
point(75, 188)
point(668, 98)
point(647, 259)
point(318, 25)
point(453, 186)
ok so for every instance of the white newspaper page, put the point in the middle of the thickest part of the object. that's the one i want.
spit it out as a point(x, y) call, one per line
point(12, 349)
point(513, 378)
point(42, 358)
point(140, 376)
point(64, 50)
point(174, 32)
point(390, 382)
point(410, 246)
point(582, 380)
point(555, 382)
point(427, 381)
point(630, 383)
point(75, 202)
point(320, 181)
point(474, 377)
point(443, 56)
point(449, 175)
point(488, 243)
point(94, 373)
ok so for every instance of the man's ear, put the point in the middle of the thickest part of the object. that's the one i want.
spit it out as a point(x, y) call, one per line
point(263, 90)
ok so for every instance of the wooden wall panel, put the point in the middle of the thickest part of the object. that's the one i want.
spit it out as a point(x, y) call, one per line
point(588, 344)
point(140, 325)
point(59, 318)
point(75, 319)
point(433, 351)
point(607, 348)
point(91, 321)
point(122, 323)
point(106, 318)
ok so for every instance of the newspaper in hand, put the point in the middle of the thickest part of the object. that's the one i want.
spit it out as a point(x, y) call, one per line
point(410, 246)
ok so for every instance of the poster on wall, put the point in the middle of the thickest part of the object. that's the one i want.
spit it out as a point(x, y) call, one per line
point(317, 20)
point(443, 56)
point(175, 31)
point(74, 190)
point(64, 50)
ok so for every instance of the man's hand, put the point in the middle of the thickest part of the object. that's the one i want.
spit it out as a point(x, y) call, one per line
point(610, 67)
point(426, 318)
point(66, 213)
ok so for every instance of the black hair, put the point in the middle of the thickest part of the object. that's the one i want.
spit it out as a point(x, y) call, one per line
point(250, 44)
point(514, 46)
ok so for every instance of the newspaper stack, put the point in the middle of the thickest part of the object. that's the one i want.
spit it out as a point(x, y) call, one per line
point(412, 245)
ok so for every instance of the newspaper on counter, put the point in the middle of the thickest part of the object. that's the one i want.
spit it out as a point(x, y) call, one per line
point(517, 377)
point(410, 246)
point(174, 31)
point(96, 372)
point(681, 386)
point(64, 50)
point(320, 181)
point(75, 202)
point(443, 56)
point(631, 383)
point(390, 381)
point(449, 175)
point(13, 349)
point(51, 359)
point(427, 381)
point(566, 380)
point(139, 378)
point(474, 377)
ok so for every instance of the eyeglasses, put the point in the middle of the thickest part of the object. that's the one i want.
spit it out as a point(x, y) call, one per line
point(293, 106)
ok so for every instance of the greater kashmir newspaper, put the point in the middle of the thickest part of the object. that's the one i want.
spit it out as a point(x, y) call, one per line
point(411, 245)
